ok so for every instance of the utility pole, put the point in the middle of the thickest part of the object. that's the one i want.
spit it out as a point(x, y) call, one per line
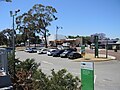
point(57, 28)
point(96, 46)
point(107, 48)
point(13, 39)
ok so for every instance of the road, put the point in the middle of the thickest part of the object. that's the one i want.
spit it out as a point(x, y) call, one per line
point(107, 74)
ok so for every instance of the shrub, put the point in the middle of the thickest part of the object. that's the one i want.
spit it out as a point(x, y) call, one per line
point(29, 77)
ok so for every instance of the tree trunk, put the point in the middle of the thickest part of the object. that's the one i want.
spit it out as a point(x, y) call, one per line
point(45, 39)
point(35, 42)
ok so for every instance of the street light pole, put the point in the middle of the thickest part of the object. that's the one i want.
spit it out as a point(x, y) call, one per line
point(56, 34)
point(107, 48)
point(13, 39)
point(57, 28)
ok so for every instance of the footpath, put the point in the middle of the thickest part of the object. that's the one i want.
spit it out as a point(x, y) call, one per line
point(90, 57)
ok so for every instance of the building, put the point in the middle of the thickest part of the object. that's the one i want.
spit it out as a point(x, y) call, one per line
point(111, 44)
point(53, 39)
point(63, 40)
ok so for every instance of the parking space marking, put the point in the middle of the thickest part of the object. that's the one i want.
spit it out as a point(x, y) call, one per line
point(47, 62)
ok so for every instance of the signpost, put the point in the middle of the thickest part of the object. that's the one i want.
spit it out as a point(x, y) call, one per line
point(87, 75)
point(96, 46)
point(82, 50)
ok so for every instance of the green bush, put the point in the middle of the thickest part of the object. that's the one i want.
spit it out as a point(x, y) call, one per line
point(29, 77)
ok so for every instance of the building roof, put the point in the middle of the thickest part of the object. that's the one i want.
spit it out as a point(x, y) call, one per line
point(53, 37)
point(70, 39)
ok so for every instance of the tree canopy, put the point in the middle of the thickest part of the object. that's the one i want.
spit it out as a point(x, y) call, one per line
point(36, 20)
point(6, 0)
point(6, 37)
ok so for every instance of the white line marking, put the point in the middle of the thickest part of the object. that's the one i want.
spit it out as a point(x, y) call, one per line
point(47, 62)
point(95, 78)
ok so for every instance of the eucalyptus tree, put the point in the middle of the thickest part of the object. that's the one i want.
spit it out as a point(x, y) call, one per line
point(6, 37)
point(9, 35)
point(19, 38)
point(8, 0)
point(37, 20)
point(3, 39)
point(24, 26)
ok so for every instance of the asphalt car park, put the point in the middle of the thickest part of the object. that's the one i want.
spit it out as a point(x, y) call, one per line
point(49, 62)
point(63, 53)
point(106, 73)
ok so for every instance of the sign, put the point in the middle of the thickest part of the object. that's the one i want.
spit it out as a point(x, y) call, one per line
point(87, 75)
point(82, 50)
point(96, 46)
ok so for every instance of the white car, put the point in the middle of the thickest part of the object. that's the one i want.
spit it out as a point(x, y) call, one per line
point(27, 50)
point(31, 50)
point(50, 51)
point(42, 51)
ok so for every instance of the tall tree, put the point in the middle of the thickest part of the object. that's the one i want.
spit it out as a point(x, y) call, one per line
point(6, 37)
point(101, 36)
point(24, 26)
point(8, 0)
point(37, 20)
point(3, 39)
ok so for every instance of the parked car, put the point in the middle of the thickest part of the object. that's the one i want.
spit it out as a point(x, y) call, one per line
point(57, 53)
point(74, 55)
point(60, 47)
point(51, 51)
point(42, 51)
point(34, 50)
point(27, 49)
point(31, 50)
point(66, 53)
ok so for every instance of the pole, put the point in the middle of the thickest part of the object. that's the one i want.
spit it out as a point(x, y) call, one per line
point(96, 46)
point(13, 46)
point(56, 35)
point(13, 39)
point(107, 48)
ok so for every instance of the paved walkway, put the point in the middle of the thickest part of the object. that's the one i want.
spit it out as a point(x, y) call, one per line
point(91, 58)
point(110, 52)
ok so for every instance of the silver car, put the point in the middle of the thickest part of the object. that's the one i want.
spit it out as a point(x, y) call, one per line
point(42, 51)
point(50, 51)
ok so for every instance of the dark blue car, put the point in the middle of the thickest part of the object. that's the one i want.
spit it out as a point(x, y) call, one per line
point(74, 55)
point(57, 53)
point(66, 53)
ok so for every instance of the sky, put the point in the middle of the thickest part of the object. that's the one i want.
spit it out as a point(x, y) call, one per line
point(77, 17)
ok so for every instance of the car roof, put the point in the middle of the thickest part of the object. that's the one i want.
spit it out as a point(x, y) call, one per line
point(52, 49)
point(74, 52)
